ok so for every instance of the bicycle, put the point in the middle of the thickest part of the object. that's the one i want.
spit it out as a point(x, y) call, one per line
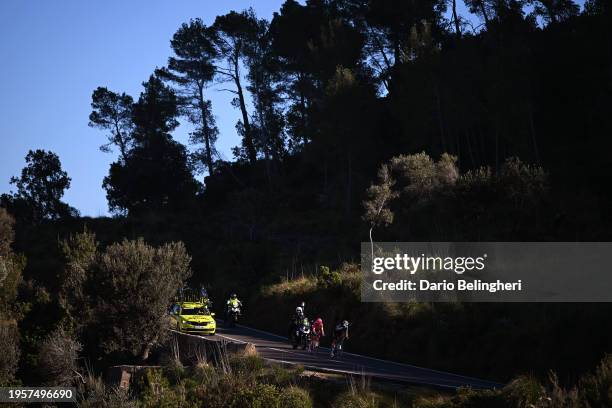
point(336, 350)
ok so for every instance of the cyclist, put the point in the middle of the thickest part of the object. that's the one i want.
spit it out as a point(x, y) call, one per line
point(340, 334)
point(317, 331)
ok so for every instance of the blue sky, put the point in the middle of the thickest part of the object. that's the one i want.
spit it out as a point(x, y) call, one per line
point(55, 53)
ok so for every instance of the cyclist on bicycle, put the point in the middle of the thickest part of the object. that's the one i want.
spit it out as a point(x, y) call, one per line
point(317, 331)
point(340, 334)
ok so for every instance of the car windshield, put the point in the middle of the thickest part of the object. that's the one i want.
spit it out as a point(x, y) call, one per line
point(187, 311)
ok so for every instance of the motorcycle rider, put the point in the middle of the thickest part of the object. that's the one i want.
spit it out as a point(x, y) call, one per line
point(296, 321)
point(234, 302)
point(340, 334)
point(317, 331)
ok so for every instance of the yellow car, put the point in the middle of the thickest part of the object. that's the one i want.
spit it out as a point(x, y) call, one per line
point(193, 317)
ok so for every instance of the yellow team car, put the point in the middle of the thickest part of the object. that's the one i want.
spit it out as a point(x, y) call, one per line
point(193, 317)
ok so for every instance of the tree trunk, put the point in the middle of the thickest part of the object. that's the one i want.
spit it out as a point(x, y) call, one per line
point(395, 41)
point(440, 115)
point(497, 146)
point(532, 130)
point(469, 146)
point(456, 20)
point(349, 182)
point(248, 136)
point(483, 10)
point(120, 141)
point(301, 86)
point(205, 132)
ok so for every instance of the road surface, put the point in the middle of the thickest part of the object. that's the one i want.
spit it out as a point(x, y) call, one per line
point(276, 348)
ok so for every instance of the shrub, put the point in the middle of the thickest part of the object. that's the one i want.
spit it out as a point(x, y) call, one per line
point(9, 355)
point(281, 376)
point(136, 279)
point(295, 397)
point(174, 370)
point(596, 389)
point(11, 266)
point(95, 394)
point(7, 233)
point(248, 366)
point(58, 356)
point(524, 390)
point(522, 183)
point(155, 390)
point(353, 399)
point(327, 278)
point(468, 398)
point(256, 396)
point(79, 252)
point(203, 372)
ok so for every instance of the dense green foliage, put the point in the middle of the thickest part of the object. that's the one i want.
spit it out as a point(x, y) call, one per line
point(117, 299)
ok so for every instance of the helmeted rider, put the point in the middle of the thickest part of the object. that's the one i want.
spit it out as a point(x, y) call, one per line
point(340, 334)
point(203, 292)
point(204, 297)
point(234, 302)
point(296, 320)
point(317, 331)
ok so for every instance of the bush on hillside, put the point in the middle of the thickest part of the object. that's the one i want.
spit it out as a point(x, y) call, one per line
point(327, 278)
point(94, 393)
point(79, 252)
point(295, 397)
point(596, 388)
point(246, 366)
point(352, 399)
point(593, 390)
point(132, 278)
point(256, 396)
point(7, 233)
point(58, 358)
point(9, 356)
point(155, 390)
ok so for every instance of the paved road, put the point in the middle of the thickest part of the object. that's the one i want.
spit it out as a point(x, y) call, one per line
point(276, 348)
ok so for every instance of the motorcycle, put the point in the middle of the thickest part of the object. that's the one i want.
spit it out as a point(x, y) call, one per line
point(301, 335)
point(232, 315)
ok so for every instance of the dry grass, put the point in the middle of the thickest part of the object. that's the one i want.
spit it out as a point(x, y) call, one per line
point(298, 286)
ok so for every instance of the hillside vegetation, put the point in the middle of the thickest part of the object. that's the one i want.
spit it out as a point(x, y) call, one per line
point(479, 339)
